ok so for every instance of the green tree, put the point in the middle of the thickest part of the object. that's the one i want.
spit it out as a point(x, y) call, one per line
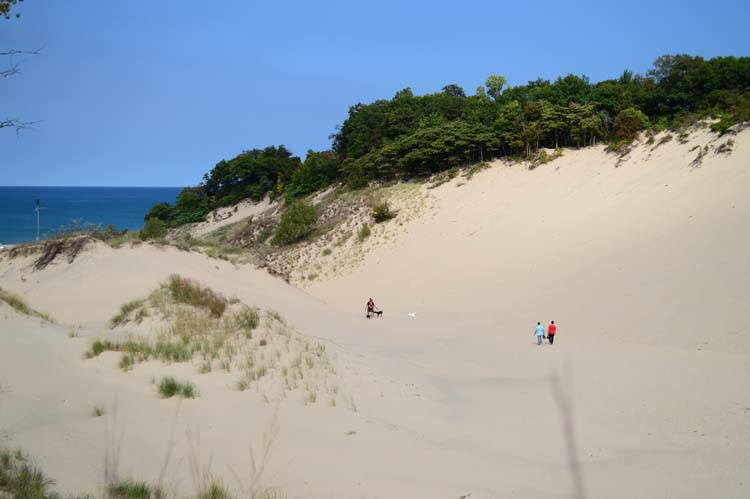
point(495, 84)
point(191, 206)
point(319, 170)
point(161, 211)
point(629, 122)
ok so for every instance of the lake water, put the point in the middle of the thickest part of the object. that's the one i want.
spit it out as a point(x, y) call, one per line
point(123, 207)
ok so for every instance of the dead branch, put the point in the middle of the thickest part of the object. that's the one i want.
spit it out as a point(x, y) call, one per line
point(17, 124)
point(13, 67)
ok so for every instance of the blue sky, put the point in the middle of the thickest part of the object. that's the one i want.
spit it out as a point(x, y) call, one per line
point(144, 93)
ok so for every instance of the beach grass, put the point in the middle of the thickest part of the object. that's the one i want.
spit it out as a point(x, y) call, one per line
point(20, 305)
point(20, 478)
point(265, 351)
point(169, 387)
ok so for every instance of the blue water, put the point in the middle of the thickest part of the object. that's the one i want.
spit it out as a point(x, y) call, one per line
point(123, 207)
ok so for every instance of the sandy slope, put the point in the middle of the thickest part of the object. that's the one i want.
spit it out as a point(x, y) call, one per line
point(644, 267)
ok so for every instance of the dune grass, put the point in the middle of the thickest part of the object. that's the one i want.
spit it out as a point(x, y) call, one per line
point(20, 305)
point(363, 233)
point(177, 290)
point(130, 489)
point(169, 387)
point(191, 293)
point(123, 315)
point(20, 478)
point(266, 351)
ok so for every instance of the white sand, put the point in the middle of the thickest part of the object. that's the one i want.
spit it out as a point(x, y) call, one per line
point(644, 268)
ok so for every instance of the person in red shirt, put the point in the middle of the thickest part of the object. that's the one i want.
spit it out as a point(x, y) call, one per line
point(551, 330)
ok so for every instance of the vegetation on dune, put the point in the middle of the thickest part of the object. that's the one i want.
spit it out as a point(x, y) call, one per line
point(414, 136)
point(169, 387)
point(263, 348)
point(297, 222)
point(153, 228)
point(382, 212)
point(130, 489)
point(20, 478)
point(20, 305)
point(364, 233)
point(189, 292)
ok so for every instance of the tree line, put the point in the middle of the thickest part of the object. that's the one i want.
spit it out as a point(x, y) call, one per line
point(412, 136)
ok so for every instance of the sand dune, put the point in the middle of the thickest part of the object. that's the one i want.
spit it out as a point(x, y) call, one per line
point(643, 265)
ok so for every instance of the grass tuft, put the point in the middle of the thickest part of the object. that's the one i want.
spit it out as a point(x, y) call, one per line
point(169, 387)
point(130, 489)
point(123, 315)
point(363, 233)
point(19, 478)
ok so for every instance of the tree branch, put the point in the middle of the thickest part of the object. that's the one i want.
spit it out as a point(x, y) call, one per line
point(13, 69)
point(17, 124)
point(16, 52)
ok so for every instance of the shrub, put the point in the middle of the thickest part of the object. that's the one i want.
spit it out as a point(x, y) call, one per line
point(248, 318)
point(297, 222)
point(629, 122)
point(363, 233)
point(153, 229)
point(382, 212)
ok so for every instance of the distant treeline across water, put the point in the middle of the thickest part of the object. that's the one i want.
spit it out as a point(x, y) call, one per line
point(123, 207)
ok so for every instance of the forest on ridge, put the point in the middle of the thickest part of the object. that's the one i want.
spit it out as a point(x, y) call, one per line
point(411, 136)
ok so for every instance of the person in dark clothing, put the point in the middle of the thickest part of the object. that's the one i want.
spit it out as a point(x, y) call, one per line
point(372, 310)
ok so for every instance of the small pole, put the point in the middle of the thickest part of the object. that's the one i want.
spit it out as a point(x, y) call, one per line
point(37, 219)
